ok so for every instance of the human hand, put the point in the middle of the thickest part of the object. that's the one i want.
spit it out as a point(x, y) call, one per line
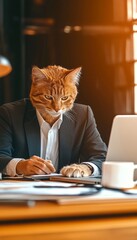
point(35, 165)
point(76, 170)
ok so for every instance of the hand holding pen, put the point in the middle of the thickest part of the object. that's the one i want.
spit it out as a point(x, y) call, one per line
point(35, 165)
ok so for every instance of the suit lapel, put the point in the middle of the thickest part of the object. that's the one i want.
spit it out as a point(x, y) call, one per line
point(66, 136)
point(32, 132)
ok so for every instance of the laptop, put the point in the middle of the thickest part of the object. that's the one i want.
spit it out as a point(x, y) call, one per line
point(122, 145)
point(81, 180)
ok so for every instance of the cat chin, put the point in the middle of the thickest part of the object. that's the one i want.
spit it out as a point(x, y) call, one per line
point(54, 114)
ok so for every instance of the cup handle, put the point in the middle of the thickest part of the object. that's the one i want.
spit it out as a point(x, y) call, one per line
point(135, 182)
point(135, 166)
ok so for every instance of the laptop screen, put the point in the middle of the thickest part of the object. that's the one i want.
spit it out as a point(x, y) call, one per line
point(123, 139)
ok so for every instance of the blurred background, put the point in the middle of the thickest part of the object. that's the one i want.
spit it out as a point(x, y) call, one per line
point(99, 35)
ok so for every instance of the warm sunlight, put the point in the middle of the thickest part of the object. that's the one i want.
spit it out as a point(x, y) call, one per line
point(132, 11)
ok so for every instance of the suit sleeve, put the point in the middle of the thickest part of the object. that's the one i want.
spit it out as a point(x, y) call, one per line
point(6, 148)
point(93, 148)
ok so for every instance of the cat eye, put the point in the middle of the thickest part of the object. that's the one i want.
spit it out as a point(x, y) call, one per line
point(64, 98)
point(48, 97)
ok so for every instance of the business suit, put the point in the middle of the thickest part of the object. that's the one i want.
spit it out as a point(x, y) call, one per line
point(79, 139)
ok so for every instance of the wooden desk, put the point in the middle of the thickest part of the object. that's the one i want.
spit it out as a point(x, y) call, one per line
point(50, 221)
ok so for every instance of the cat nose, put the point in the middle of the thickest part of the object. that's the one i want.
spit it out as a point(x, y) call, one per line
point(57, 105)
point(57, 108)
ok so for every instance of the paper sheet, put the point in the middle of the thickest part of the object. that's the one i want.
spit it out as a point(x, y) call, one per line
point(28, 184)
point(63, 193)
point(103, 195)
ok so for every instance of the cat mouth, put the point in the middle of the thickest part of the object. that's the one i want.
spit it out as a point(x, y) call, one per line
point(54, 114)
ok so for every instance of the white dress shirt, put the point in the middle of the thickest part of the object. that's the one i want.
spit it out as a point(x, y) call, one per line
point(49, 146)
point(49, 139)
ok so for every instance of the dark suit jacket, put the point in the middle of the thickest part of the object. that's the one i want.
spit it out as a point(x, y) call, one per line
point(79, 139)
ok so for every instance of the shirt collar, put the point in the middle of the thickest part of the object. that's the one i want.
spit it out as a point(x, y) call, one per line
point(41, 121)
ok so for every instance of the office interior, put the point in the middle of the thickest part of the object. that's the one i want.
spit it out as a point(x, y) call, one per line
point(101, 37)
point(98, 35)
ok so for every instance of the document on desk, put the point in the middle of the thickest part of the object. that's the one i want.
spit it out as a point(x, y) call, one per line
point(32, 184)
point(42, 192)
point(29, 192)
point(61, 192)
point(103, 196)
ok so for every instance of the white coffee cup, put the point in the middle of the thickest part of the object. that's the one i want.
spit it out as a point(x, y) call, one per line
point(118, 174)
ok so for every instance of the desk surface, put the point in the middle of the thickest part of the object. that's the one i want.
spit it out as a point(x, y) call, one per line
point(51, 209)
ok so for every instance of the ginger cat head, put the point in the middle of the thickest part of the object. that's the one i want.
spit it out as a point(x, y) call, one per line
point(54, 90)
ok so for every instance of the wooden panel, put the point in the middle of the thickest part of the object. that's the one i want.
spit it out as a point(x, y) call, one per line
point(53, 210)
point(97, 229)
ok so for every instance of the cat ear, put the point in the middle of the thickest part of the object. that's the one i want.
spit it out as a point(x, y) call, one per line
point(37, 74)
point(74, 75)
